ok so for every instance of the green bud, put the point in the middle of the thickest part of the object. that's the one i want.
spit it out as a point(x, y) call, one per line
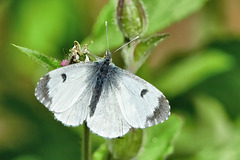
point(131, 18)
point(126, 147)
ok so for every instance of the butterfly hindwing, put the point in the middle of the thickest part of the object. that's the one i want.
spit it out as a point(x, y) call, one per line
point(107, 120)
point(77, 113)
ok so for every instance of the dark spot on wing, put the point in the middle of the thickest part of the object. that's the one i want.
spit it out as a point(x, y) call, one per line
point(41, 91)
point(64, 77)
point(160, 114)
point(143, 92)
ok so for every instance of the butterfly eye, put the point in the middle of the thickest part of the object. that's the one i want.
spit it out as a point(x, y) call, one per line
point(64, 77)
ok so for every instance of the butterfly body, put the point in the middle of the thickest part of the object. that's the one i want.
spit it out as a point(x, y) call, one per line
point(111, 100)
point(102, 74)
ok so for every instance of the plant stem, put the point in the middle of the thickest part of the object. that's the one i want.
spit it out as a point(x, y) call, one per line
point(128, 57)
point(86, 143)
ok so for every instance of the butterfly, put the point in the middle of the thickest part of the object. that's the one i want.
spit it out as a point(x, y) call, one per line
point(111, 100)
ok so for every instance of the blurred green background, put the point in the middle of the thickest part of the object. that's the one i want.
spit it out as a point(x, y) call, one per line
point(197, 68)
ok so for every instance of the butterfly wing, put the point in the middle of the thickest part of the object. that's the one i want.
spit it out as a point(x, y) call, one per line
point(107, 120)
point(141, 104)
point(66, 91)
point(127, 101)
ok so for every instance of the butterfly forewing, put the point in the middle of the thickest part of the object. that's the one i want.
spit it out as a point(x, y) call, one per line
point(63, 89)
point(142, 105)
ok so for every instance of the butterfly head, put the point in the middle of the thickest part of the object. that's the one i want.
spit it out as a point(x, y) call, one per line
point(108, 55)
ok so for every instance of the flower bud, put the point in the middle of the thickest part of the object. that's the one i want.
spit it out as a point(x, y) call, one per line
point(127, 146)
point(131, 18)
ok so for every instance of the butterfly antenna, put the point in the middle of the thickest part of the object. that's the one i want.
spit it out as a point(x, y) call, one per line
point(126, 44)
point(107, 34)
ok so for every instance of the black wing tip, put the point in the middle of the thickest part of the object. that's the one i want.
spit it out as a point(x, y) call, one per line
point(42, 90)
point(160, 114)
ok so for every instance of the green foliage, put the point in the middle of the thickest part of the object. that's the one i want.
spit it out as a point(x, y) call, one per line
point(159, 139)
point(162, 14)
point(123, 148)
point(193, 70)
point(98, 34)
point(157, 142)
point(101, 152)
point(48, 62)
point(214, 136)
point(202, 85)
point(144, 48)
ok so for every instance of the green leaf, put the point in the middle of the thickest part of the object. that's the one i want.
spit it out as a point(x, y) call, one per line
point(145, 47)
point(48, 62)
point(162, 13)
point(159, 139)
point(193, 70)
point(101, 152)
point(136, 53)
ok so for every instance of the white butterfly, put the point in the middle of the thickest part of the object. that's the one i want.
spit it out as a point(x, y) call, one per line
point(111, 100)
